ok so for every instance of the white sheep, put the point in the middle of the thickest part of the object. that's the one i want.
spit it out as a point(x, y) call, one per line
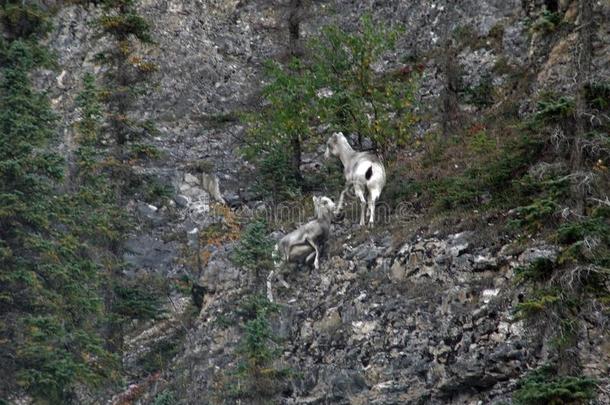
point(363, 170)
point(305, 242)
point(308, 238)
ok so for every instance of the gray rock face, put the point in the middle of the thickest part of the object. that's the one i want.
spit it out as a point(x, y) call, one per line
point(433, 319)
point(403, 325)
point(182, 200)
point(146, 253)
point(220, 273)
point(532, 254)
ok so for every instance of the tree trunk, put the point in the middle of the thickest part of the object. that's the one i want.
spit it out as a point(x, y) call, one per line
point(294, 27)
point(584, 50)
point(294, 31)
point(295, 145)
point(450, 92)
point(448, 64)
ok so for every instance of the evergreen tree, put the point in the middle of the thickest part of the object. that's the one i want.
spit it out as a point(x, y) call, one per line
point(127, 71)
point(50, 302)
point(254, 250)
point(338, 87)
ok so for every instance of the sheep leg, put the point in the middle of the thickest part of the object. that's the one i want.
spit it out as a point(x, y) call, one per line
point(311, 256)
point(269, 291)
point(316, 263)
point(282, 249)
point(276, 256)
point(342, 197)
point(283, 282)
point(360, 194)
point(373, 196)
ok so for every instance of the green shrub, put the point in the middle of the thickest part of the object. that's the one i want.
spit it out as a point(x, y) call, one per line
point(159, 356)
point(276, 133)
point(400, 187)
point(23, 20)
point(255, 305)
point(138, 299)
point(343, 64)
point(547, 21)
point(255, 344)
point(572, 232)
point(467, 35)
point(541, 269)
point(598, 95)
point(165, 397)
point(503, 66)
point(481, 95)
point(481, 143)
point(543, 201)
point(253, 250)
point(53, 357)
point(148, 188)
point(125, 24)
point(542, 300)
point(144, 151)
point(544, 387)
point(127, 72)
point(149, 127)
point(499, 175)
point(60, 233)
point(494, 176)
point(328, 179)
point(276, 175)
point(88, 101)
point(455, 192)
point(588, 240)
point(552, 108)
point(536, 215)
point(513, 161)
point(256, 375)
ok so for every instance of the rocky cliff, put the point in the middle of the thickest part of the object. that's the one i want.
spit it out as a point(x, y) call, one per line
point(416, 310)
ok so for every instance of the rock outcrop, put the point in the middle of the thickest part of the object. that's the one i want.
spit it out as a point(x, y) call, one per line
point(429, 321)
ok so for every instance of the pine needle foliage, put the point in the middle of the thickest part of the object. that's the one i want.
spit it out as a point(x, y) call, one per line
point(544, 387)
point(539, 270)
point(257, 376)
point(254, 248)
point(128, 71)
point(337, 86)
point(50, 283)
point(104, 221)
point(23, 20)
point(587, 241)
point(353, 96)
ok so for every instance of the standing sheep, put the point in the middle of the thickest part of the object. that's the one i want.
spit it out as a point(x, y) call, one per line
point(363, 170)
